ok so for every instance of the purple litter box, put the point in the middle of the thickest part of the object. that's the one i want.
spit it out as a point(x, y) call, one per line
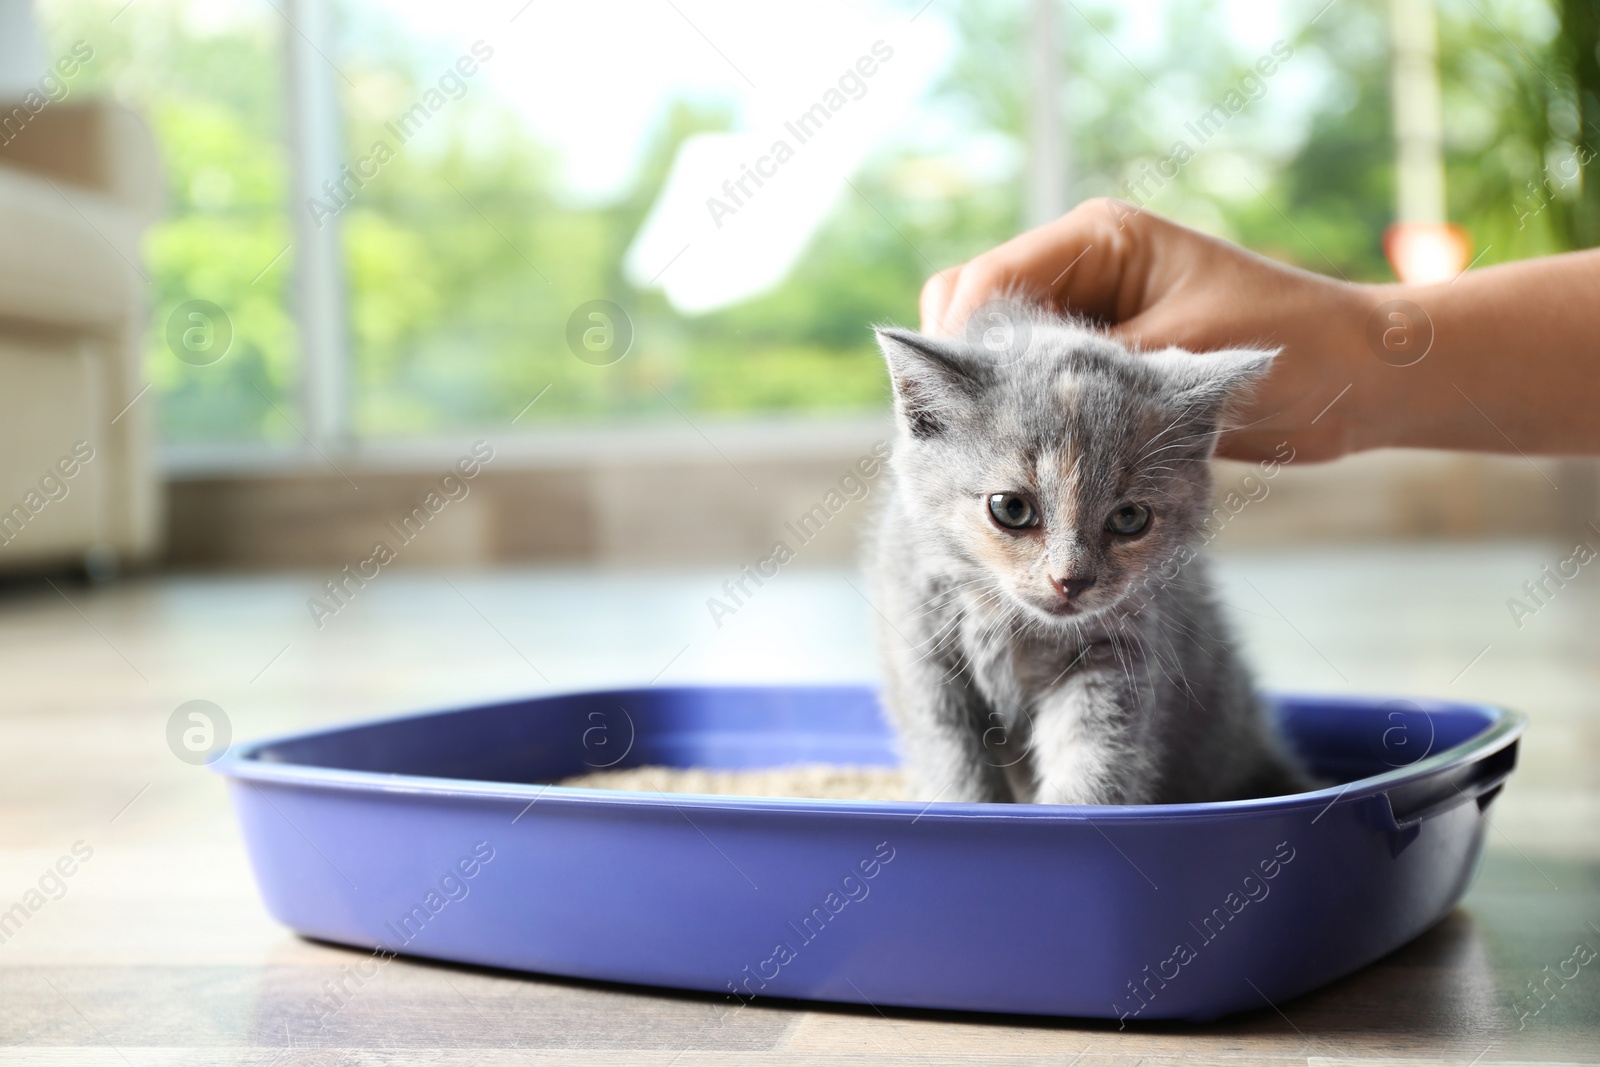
point(428, 836)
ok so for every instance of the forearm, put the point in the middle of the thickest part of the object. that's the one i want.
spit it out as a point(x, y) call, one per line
point(1514, 364)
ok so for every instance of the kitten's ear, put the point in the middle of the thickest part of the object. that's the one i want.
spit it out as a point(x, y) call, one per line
point(1211, 388)
point(935, 381)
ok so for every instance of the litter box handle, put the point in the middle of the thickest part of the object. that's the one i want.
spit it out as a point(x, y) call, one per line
point(1414, 803)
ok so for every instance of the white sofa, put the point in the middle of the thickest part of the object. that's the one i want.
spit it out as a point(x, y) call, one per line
point(78, 186)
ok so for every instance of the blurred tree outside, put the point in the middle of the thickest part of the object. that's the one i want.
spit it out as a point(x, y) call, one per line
point(1575, 115)
point(209, 88)
point(1513, 154)
point(465, 260)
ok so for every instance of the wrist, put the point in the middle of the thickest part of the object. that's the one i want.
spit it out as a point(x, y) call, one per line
point(1389, 333)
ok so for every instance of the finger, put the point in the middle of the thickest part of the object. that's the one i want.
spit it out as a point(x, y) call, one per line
point(936, 297)
point(1082, 262)
point(1166, 326)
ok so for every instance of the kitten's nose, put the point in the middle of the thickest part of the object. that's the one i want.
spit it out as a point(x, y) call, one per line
point(1074, 587)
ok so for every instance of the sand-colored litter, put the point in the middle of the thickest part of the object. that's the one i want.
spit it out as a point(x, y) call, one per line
point(806, 780)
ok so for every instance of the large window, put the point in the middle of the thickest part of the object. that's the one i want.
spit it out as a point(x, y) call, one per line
point(533, 188)
point(206, 78)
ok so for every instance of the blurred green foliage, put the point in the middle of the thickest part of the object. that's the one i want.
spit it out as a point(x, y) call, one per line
point(213, 102)
point(464, 262)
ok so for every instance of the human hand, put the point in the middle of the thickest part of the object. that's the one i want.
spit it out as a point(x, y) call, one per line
point(1154, 283)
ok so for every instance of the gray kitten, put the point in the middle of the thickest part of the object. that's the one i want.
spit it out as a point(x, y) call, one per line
point(1045, 640)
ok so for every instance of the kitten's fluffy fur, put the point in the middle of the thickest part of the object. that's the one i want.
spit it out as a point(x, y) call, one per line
point(1004, 688)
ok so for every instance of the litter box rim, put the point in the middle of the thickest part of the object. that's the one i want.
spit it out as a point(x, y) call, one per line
point(1506, 726)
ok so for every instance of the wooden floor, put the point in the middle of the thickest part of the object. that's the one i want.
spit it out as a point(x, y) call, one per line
point(156, 949)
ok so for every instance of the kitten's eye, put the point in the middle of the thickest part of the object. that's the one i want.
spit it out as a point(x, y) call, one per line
point(1012, 511)
point(1129, 519)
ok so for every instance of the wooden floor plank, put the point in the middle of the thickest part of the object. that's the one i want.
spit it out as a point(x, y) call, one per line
point(158, 950)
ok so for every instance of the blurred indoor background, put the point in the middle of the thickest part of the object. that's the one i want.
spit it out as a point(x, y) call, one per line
point(305, 259)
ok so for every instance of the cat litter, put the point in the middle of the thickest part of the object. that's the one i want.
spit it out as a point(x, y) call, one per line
point(817, 781)
point(436, 835)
